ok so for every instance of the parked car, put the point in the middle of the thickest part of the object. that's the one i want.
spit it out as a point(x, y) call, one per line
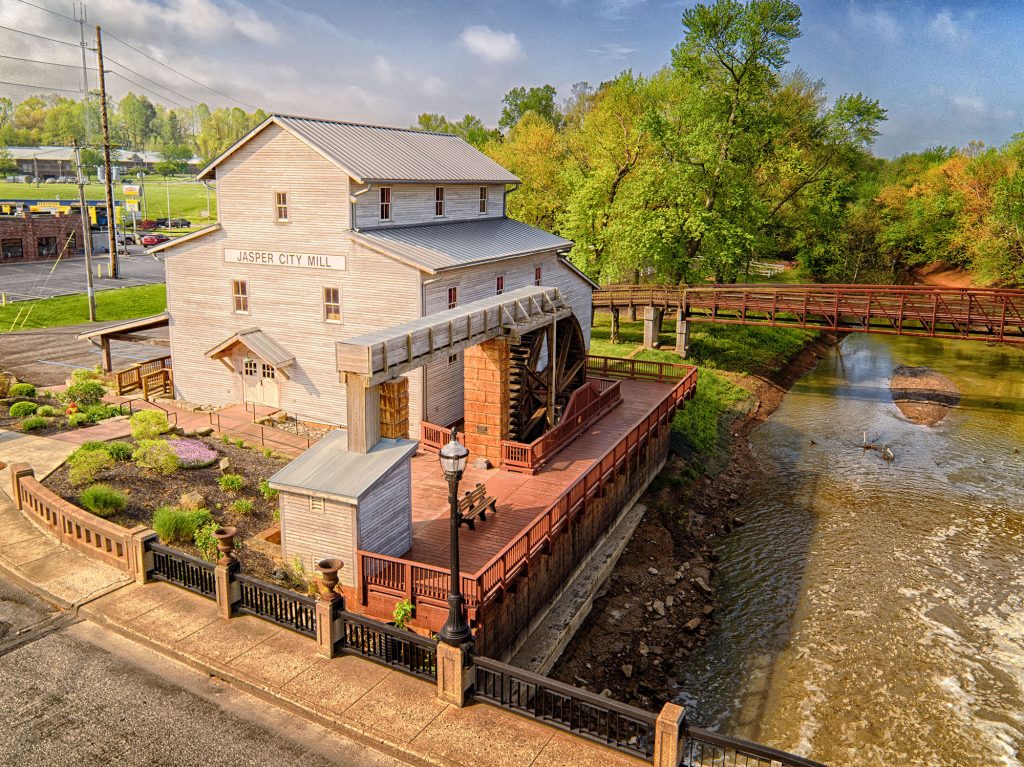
point(150, 240)
point(147, 223)
point(125, 239)
point(173, 223)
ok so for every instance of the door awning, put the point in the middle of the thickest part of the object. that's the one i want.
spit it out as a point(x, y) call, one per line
point(257, 342)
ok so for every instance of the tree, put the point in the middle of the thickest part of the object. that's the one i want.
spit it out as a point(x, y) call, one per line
point(7, 165)
point(470, 128)
point(175, 159)
point(520, 100)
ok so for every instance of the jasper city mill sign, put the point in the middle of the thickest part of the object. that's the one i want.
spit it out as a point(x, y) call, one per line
point(283, 258)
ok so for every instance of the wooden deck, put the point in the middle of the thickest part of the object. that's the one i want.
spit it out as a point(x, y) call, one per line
point(521, 497)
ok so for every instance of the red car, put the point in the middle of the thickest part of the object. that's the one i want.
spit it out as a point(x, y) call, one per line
point(154, 239)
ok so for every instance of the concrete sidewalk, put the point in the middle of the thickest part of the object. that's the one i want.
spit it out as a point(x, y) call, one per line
point(359, 698)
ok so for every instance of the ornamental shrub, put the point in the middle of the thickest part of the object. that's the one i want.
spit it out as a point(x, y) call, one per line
point(6, 382)
point(78, 375)
point(156, 455)
point(84, 393)
point(101, 411)
point(231, 483)
point(34, 422)
point(206, 542)
point(22, 390)
point(149, 424)
point(175, 525)
point(22, 409)
point(194, 453)
point(79, 419)
point(120, 451)
point(85, 464)
point(268, 493)
point(242, 506)
point(93, 444)
point(47, 411)
point(102, 500)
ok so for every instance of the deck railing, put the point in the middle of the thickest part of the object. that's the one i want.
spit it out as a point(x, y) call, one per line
point(266, 436)
point(410, 580)
point(130, 379)
point(281, 606)
point(703, 748)
point(434, 437)
point(387, 645)
point(569, 708)
point(182, 569)
point(587, 405)
point(636, 370)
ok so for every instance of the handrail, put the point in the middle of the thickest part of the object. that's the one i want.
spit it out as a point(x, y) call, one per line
point(181, 569)
point(278, 605)
point(704, 747)
point(434, 437)
point(636, 370)
point(130, 379)
point(388, 645)
point(226, 423)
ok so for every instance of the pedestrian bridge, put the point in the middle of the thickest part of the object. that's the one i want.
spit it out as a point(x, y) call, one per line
point(986, 314)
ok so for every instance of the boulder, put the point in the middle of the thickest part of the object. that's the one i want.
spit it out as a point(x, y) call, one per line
point(206, 431)
point(192, 500)
point(702, 586)
point(225, 466)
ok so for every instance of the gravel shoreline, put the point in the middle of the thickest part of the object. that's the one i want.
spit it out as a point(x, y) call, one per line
point(923, 395)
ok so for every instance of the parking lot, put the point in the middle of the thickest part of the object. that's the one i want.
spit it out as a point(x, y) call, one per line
point(44, 279)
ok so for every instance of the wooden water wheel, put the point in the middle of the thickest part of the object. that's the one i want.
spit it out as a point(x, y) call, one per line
point(539, 391)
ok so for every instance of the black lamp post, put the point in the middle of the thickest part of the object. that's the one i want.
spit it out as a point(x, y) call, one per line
point(453, 457)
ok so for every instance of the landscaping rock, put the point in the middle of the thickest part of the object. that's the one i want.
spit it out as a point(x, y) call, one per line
point(206, 431)
point(627, 670)
point(702, 586)
point(693, 625)
point(652, 570)
point(659, 607)
point(192, 501)
point(225, 466)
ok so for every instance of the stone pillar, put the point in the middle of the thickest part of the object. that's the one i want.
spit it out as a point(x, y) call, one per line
point(19, 470)
point(669, 729)
point(454, 674)
point(227, 589)
point(330, 603)
point(682, 335)
point(142, 560)
point(487, 410)
point(363, 410)
point(652, 325)
point(632, 313)
point(613, 336)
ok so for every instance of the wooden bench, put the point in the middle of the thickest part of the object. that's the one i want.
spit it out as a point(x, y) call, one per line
point(475, 503)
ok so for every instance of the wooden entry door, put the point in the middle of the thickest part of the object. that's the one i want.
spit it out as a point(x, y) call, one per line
point(259, 383)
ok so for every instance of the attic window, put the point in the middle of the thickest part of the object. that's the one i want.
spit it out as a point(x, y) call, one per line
point(438, 200)
point(385, 203)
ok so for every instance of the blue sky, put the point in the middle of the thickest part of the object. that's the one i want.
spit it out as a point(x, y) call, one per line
point(948, 72)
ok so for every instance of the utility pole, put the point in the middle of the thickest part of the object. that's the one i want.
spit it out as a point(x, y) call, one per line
point(114, 271)
point(87, 232)
point(81, 15)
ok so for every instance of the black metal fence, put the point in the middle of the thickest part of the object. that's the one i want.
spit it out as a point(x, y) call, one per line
point(703, 748)
point(273, 603)
point(183, 570)
point(601, 719)
point(385, 644)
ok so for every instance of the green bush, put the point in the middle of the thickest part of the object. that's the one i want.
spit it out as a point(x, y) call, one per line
point(402, 613)
point(240, 442)
point(34, 422)
point(102, 500)
point(22, 390)
point(120, 451)
point(84, 393)
point(149, 424)
point(231, 483)
point(242, 506)
point(92, 444)
point(268, 452)
point(86, 374)
point(84, 465)
point(268, 493)
point(101, 411)
point(48, 411)
point(22, 409)
point(206, 542)
point(156, 455)
point(79, 419)
point(175, 525)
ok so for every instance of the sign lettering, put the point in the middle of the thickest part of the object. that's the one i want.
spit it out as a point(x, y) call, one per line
point(283, 258)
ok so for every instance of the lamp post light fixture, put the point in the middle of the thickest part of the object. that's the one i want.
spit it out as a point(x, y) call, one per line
point(453, 457)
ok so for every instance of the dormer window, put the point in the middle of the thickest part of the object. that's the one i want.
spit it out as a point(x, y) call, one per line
point(438, 200)
point(385, 203)
point(483, 199)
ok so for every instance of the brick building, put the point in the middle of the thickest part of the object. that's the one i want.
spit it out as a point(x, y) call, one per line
point(39, 236)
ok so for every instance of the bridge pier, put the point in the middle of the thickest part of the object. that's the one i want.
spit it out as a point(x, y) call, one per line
point(632, 313)
point(682, 334)
point(653, 317)
point(613, 336)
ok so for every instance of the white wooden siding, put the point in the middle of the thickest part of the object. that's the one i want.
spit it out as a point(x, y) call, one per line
point(314, 535)
point(414, 204)
point(385, 513)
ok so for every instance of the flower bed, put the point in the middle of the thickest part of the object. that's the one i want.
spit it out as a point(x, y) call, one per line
point(26, 409)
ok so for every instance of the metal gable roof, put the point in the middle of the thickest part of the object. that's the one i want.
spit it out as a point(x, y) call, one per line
point(259, 343)
point(460, 243)
point(375, 153)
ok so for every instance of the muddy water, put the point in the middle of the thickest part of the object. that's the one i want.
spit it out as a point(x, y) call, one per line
point(872, 613)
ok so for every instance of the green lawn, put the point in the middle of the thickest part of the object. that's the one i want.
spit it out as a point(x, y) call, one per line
point(119, 304)
point(188, 197)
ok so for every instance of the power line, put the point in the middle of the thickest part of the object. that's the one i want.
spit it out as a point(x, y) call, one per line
point(76, 46)
point(143, 87)
point(148, 80)
point(181, 74)
point(55, 13)
point(43, 88)
point(49, 63)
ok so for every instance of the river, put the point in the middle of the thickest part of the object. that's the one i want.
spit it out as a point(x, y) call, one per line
point(872, 613)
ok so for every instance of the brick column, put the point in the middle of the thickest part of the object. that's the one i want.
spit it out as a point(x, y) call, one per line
point(669, 729)
point(19, 470)
point(142, 559)
point(487, 417)
point(453, 677)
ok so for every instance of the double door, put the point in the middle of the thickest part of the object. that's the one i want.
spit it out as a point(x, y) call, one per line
point(259, 383)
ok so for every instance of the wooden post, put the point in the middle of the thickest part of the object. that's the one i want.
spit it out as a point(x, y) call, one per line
point(552, 374)
point(105, 355)
point(363, 405)
point(669, 729)
point(614, 335)
point(454, 675)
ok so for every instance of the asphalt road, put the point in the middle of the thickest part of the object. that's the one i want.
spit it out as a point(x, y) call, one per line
point(39, 279)
point(79, 695)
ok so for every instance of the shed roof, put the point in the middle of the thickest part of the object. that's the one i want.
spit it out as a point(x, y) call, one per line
point(328, 468)
point(374, 153)
point(259, 343)
point(435, 247)
point(128, 326)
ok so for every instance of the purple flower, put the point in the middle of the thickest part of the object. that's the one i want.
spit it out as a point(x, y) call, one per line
point(193, 453)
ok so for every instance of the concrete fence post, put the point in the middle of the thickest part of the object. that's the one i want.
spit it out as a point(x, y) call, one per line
point(455, 673)
point(329, 625)
point(682, 335)
point(669, 729)
point(652, 326)
point(141, 557)
point(19, 470)
point(228, 590)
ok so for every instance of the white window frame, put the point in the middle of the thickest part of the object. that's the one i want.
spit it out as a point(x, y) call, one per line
point(483, 200)
point(384, 209)
point(250, 367)
point(453, 290)
point(281, 205)
point(244, 296)
point(438, 202)
point(326, 303)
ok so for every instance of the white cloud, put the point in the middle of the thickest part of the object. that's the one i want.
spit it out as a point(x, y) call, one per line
point(202, 19)
point(616, 9)
point(613, 51)
point(948, 29)
point(875, 21)
point(490, 44)
point(978, 107)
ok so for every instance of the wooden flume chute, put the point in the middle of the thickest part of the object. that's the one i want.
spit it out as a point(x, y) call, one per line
point(547, 365)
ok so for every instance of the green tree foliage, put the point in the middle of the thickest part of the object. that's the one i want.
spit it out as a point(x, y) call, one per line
point(540, 100)
point(470, 128)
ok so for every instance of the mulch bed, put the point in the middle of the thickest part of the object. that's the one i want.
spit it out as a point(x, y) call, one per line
point(146, 491)
point(57, 424)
